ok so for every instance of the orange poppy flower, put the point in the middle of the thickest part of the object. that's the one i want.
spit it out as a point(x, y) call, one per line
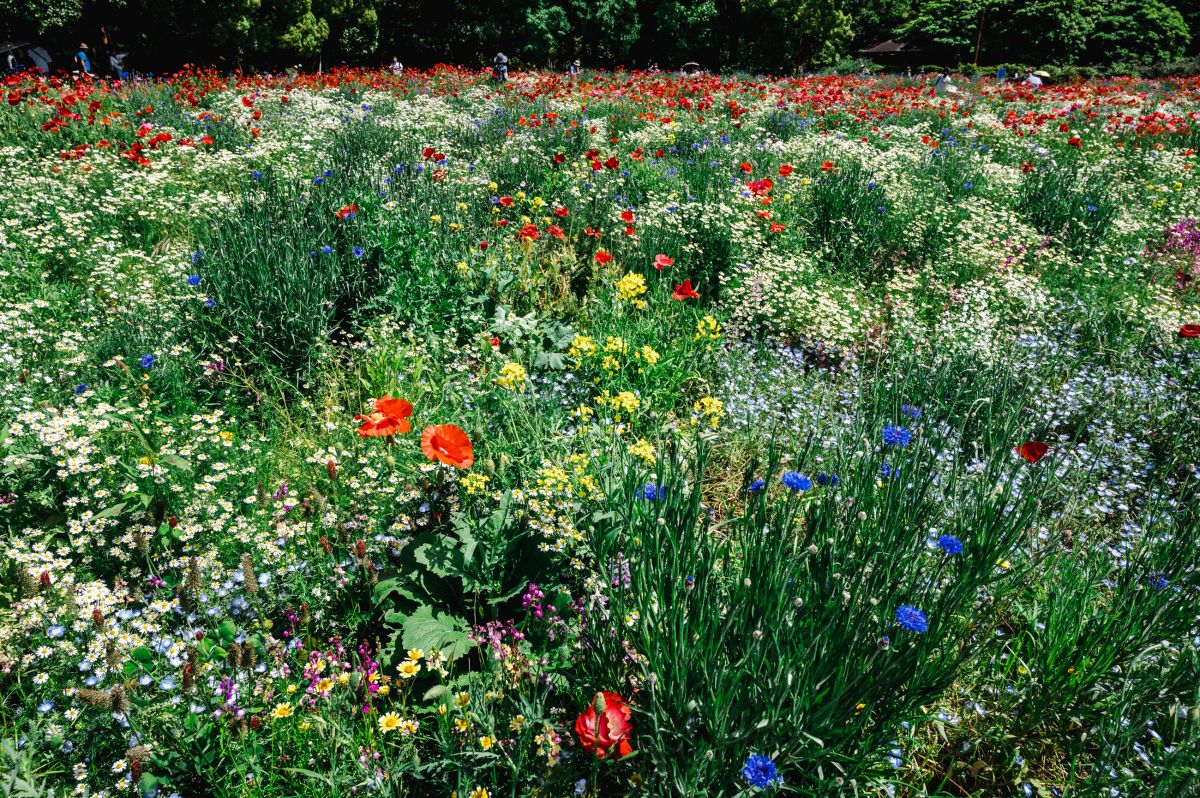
point(390, 417)
point(448, 444)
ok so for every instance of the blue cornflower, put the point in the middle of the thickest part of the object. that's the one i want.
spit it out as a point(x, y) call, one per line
point(881, 209)
point(210, 303)
point(889, 471)
point(689, 582)
point(256, 174)
point(757, 485)
point(832, 480)
point(968, 186)
point(327, 172)
point(761, 772)
point(318, 180)
point(912, 412)
point(1091, 208)
point(312, 254)
point(326, 249)
point(795, 481)
point(358, 252)
point(652, 492)
point(81, 387)
point(193, 279)
point(950, 544)
point(1158, 579)
point(911, 619)
point(197, 256)
point(896, 436)
point(56, 630)
point(147, 361)
point(871, 186)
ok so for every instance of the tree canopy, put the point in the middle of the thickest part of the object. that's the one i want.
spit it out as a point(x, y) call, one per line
point(769, 35)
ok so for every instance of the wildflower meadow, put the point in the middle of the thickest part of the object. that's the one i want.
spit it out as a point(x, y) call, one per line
point(620, 435)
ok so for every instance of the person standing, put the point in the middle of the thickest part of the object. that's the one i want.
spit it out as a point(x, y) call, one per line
point(500, 68)
point(81, 59)
point(573, 69)
point(396, 67)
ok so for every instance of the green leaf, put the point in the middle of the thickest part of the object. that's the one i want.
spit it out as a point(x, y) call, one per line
point(444, 632)
point(440, 557)
point(143, 654)
point(110, 512)
point(227, 629)
point(176, 461)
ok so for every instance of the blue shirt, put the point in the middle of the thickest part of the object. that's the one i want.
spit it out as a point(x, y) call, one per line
point(82, 56)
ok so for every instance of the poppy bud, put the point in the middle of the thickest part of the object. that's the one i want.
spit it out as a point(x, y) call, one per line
point(200, 634)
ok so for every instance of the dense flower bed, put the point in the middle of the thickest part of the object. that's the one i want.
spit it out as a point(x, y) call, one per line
point(625, 435)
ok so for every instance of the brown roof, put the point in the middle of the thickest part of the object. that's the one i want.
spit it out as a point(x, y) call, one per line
point(891, 46)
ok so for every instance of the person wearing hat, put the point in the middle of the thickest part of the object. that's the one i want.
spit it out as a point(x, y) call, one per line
point(81, 59)
point(573, 70)
point(1033, 80)
point(500, 68)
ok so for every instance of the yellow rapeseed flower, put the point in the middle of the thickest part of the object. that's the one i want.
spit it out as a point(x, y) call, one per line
point(512, 376)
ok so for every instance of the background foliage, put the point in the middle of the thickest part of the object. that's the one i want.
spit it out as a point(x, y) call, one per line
point(770, 35)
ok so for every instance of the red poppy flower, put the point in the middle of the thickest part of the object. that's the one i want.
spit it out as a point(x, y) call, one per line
point(587, 231)
point(1032, 450)
point(785, 170)
point(827, 166)
point(1075, 141)
point(657, 153)
point(506, 202)
point(776, 227)
point(603, 257)
point(448, 444)
point(599, 732)
point(560, 158)
point(483, 245)
point(746, 168)
point(627, 217)
point(560, 212)
point(611, 163)
point(1189, 331)
point(662, 261)
point(390, 417)
point(529, 232)
point(438, 156)
point(684, 291)
point(556, 231)
point(1026, 167)
point(347, 212)
point(427, 153)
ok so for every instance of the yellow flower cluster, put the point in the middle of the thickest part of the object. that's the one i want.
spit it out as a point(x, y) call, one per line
point(709, 409)
point(630, 288)
point(708, 328)
point(649, 355)
point(624, 402)
point(475, 483)
point(583, 346)
point(643, 451)
point(512, 376)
